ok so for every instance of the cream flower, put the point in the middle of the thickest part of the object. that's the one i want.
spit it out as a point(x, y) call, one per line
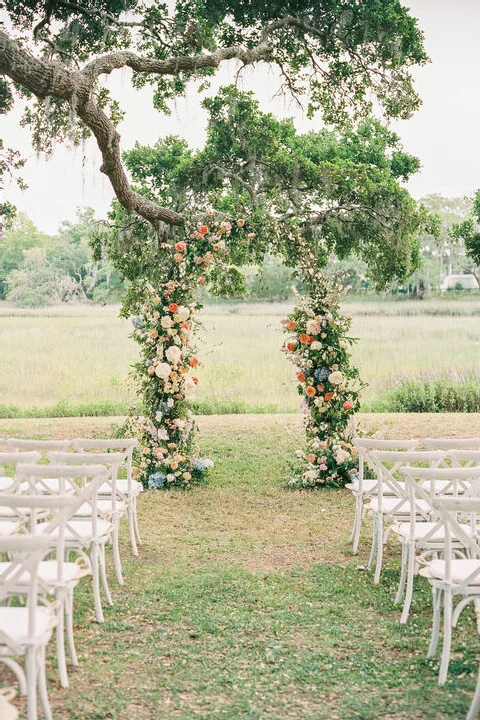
point(189, 384)
point(316, 345)
point(173, 354)
point(182, 314)
point(336, 377)
point(163, 370)
point(166, 322)
point(312, 327)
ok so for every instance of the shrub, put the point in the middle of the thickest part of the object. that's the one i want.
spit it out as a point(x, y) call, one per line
point(442, 395)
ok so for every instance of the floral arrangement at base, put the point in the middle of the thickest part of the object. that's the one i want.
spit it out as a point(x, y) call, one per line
point(318, 345)
point(164, 326)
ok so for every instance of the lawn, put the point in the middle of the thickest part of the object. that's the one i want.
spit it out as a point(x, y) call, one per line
point(80, 356)
point(246, 601)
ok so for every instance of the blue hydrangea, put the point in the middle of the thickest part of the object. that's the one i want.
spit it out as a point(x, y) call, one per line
point(148, 362)
point(200, 465)
point(322, 373)
point(137, 322)
point(156, 480)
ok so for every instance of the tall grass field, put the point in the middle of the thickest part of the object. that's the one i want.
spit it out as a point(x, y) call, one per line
point(79, 357)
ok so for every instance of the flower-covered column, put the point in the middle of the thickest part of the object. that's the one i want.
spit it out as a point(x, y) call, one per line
point(166, 373)
point(317, 343)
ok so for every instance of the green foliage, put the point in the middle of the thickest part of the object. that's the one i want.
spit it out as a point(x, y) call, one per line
point(21, 235)
point(34, 283)
point(443, 395)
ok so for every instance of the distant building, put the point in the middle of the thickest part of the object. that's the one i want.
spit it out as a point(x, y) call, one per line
point(466, 281)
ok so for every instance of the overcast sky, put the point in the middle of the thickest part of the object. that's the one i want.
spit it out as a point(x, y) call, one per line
point(444, 133)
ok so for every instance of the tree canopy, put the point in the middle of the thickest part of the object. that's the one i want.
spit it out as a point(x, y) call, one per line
point(342, 57)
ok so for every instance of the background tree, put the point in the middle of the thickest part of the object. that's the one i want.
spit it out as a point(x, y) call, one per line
point(342, 55)
point(21, 235)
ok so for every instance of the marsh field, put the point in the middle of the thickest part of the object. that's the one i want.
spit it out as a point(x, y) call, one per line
point(81, 355)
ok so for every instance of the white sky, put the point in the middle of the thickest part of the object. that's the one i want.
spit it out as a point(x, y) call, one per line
point(444, 133)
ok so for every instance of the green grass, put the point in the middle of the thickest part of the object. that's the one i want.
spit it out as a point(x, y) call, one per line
point(77, 358)
point(246, 602)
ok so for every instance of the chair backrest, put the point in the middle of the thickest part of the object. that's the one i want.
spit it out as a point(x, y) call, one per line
point(111, 460)
point(8, 480)
point(430, 483)
point(126, 445)
point(464, 458)
point(81, 481)
point(366, 445)
point(41, 445)
point(387, 464)
point(451, 443)
point(455, 512)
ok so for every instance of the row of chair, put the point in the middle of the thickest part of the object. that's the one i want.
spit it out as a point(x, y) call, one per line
point(427, 493)
point(57, 498)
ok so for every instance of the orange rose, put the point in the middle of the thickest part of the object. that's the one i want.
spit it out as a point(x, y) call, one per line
point(181, 246)
point(348, 405)
point(301, 377)
point(173, 307)
point(321, 387)
point(240, 222)
point(291, 346)
point(203, 229)
point(328, 396)
point(310, 339)
point(195, 380)
point(201, 279)
point(303, 338)
point(310, 391)
point(291, 325)
point(310, 458)
point(193, 362)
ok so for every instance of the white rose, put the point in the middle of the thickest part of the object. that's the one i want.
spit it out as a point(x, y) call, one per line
point(173, 354)
point(310, 474)
point(336, 377)
point(163, 370)
point(166, 322)
point(341, 456)
point(316, 345)
point(182, 314)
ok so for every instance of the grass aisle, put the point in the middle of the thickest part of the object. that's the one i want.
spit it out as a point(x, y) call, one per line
point(246, 601)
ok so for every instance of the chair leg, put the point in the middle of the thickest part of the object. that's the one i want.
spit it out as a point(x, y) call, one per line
point(60, 639)
point(132, 527)
point(475, 704)
point(437, 611)
point(135, 521)
point(69, 626)
point(31, 677)
point(103, 574)
point(403, 573)
point(378, 566)
point(42, 685)
point(116, 557)
point(410, 578)
point(374, 542)
point(447, 637)
point(357, 524)
point(96, 583)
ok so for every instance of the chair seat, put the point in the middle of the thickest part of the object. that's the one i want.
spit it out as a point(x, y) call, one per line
point(367, 486)
point(14, 623)
point(104, 508)
point(48, 573)
point(6, 483)
point(421, 530)
point(122, 487)
point(461, 570)
point(9, 527)
point(83, 529)
point(390, 503)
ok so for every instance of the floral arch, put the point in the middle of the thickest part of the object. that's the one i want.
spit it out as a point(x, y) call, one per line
point(316, 342)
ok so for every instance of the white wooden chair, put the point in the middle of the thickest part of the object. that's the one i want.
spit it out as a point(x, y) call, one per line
point(391, 502)
point(423, 536)
point(8, 482)
point(363, 488)
point(454, 576)
point(86, 536)
point(111, 505)
point(128, 489)
point(26, 628)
